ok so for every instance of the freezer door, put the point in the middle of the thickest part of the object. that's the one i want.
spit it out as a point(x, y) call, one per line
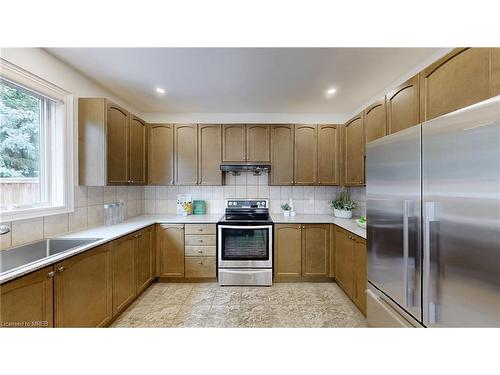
point(461, 217)
point(393, 187)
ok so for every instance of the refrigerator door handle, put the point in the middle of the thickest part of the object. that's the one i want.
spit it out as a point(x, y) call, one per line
point(407, 210)
point(429, 305)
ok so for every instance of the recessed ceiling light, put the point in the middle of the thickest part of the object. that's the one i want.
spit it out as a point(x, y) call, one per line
point(331, 91)
point(160, 90)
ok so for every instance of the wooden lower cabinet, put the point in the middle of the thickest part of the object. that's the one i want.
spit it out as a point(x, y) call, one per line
point(144, 259)
point(288, 250)
point(350, 266)
point(200, 267)
point(28, 300)
point(315, 250)
point(171, 250)
point(83, 289)
point(124, 275)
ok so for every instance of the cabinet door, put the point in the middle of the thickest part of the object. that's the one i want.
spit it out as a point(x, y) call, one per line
point(233, 143)
point(137, 151)
point(288, 253)
point(360, 272)
point(315, 250)
point(161, 154)
point(144, 259)
point(328, 154)
point(209, 154)
point(124, 276)
point(332, 250)
point(28, 300)
point(117, 145)
point(171, 250)
point(200, 267)
point(455, 81)
point(354, 152)
point(83, 289)
point(257, 143)
point(375, 121)
point(306, 155)
point(186, 154)
point(403, 106)
point(495, 71)
point(282, 139)
point(344, 261)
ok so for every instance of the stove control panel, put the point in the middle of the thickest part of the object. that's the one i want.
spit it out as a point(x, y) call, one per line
point(247, 203)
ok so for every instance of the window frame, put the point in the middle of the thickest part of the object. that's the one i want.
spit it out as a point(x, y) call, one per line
point(59, 162)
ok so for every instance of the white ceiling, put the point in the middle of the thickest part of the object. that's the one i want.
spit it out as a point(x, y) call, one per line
point(249, 80)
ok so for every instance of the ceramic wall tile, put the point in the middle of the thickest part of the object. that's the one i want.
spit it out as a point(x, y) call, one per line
point(240, 191)
point(161, 206)
point(218, 192)
point(252, 191)
point(96, 215)
point(95, 195)
point(149, 206)
point(161, 192)
point(286, 192)
point(263, 191)
point(172, 206)
point(81, 198)
point(109, 194)
point(122, 193)
point(24, 231)
point(55, 224)
point(206, 192)
point(298, 192)
point(78, 219)
point(274, 192)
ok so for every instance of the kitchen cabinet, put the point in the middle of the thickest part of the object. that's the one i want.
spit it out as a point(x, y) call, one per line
point(328, 155)
point(354, 152)
point(282, 154)
point(459, 79)
point(209, 154)
point(138, 151)
point(124, 272)
point(302, 251)
point(186, 154)
point(403, 106)
point(200, 241)
point(28, 300)
point(306, 155)
point(112, 144)
point(144, 259)
point(170, 250)
point(161, 154)
point(288, 250)
point(495, 71)
point(332, 251)
point(315, 250)
point(200, 267)
point(242, 143)
point(375, 121)
point(350, 261)
point(83, 289)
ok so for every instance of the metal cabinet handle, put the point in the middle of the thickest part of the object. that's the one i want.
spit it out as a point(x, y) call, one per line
point(200, 263)
point(200, 251)
point(429, 305)
point(200, 229)
point(140, 234)
point(51, 274)
point(200, 241)
point(60, 269)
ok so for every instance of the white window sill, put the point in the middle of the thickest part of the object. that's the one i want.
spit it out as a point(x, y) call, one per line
point(33, 213)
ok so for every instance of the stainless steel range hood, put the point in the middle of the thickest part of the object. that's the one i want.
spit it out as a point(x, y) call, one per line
point(236, 168)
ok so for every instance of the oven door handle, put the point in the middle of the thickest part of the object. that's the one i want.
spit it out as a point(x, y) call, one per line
point(267, 226)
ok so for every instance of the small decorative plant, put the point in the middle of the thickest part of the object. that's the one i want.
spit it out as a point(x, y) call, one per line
point(286, 209)
point(343, 205)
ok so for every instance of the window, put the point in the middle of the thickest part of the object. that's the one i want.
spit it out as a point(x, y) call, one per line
point(35, 146)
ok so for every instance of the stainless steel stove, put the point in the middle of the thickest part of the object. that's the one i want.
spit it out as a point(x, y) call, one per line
point(245, 243)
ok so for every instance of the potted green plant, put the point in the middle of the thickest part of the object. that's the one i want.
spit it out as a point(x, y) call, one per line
point(343, 205)
point(286, 209)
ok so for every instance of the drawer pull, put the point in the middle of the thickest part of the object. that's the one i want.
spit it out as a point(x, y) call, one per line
point(60, 269)
point(51, 274)
point(200, 251)
point(200, 263)
point(200, 229)
point(200, 241)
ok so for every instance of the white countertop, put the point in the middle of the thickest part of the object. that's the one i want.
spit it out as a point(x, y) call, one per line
point(109, 233)
point(347, 224)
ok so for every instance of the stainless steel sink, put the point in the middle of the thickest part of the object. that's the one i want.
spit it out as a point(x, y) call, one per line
point(33, 252)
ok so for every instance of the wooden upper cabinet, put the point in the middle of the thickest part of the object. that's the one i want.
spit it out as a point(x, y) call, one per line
point(344, 260)
point(316, 250)
point(457, 80)
point(117, 145)
point(161, 154)
point(495, 71)
point(171, 250)
point(83, 289)
point(137, 151)
point(209, 154)
point(27, 300)
point(328, 155)
point(306, 155)
point(354, 152)
point(257, 143)
point(186, 154)
point(233, 142)
point(375, 121)
point(144, 259)
point(288, 257)
point(360, 272)
point(282, 151)
point(403, 106)
point(124, 276)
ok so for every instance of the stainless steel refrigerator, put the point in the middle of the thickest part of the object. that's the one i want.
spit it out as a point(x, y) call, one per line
point(433, 215)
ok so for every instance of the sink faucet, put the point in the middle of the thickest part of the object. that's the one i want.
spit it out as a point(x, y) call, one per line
point(4, 229)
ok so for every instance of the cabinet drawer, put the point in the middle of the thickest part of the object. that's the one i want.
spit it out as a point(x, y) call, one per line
point(203, 240)
point(200, 229)
point(200, 251)
point(200, 266)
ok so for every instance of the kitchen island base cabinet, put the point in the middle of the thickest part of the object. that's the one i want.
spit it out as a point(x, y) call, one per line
point(28, 300)
point(83, 289)
point(170, 250)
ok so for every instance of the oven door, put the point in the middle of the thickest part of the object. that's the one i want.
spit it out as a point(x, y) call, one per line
point(245, 246)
